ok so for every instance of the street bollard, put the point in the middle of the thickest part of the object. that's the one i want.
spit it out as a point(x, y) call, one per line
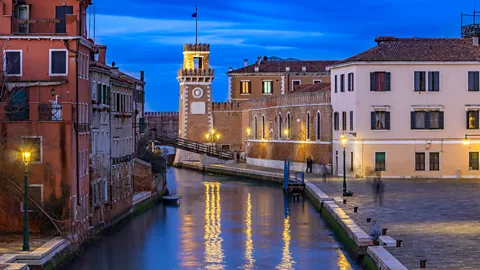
point(423, 263)
point(369, 219)
point(344, 201)
point(399, 243)
point(355, 209)
point(384, 231)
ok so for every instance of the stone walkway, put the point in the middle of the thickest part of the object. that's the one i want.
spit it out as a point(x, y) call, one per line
point(12, 243)
point(437, 220)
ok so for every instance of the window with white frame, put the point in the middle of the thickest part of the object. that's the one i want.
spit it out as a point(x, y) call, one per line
point(295, 83)
point(279, 122)
point(12, 65)
point(288, 132)
point(58, 62)
point(317, 81)
point(267, 87)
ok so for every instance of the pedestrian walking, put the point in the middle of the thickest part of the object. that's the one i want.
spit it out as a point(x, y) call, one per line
point(378, 189)
point(309, 164)
point(324, 173)
point(374, 231)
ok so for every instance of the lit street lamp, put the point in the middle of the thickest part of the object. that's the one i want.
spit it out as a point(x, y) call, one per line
point(343, 139)
point(26, 157)
point(212, 136)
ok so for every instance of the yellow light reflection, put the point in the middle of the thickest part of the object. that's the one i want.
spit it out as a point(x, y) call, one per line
point(342, 262)
point(188, 257)
point(213, 241)
point(248, 233)
point(287, 260)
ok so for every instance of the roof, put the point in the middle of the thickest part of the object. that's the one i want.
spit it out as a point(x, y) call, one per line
point(419, 49)
point(279, 66)
point(311, 88)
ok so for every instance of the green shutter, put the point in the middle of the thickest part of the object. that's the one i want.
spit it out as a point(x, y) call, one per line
point(372, 81)
point(413, 120)
point(387, 120)
point(387, 81)
point(373, 121)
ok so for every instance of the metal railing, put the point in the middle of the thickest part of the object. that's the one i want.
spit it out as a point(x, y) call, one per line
point(118, 160)
point(193, 146)
point(39, 26)
point(50, 112)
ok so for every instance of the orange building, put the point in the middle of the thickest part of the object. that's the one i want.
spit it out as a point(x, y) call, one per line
point(44, 108)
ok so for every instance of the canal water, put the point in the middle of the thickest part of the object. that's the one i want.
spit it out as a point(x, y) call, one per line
point(220, 224)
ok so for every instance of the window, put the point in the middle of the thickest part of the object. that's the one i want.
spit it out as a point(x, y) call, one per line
point(336, 124)
point(336, 84)
point(307, 135)
point(34, 145)
point(295, 83)
point(342, 83)
point(380, 161)
point(473, 81)
point(317, 81)
point(380, 120)
point(13, 63)
point(472, 119)
point(420, 81)
point(351, 161)
point(245, 87)
point(263, 127)
point(351, 120)
point(255, 130)
point(58, 62)
point(197, 62)
point(350, 81)
point(318, 127)
point(433, 81)
point(267, 87)
point(473, 161)
point(289, 131)
point(60, 14)
point(427, 120)
point(279, 121)
point(419, 161)
point(434, 161)
point(379, 81)
point(344, 120)
point(74, 203)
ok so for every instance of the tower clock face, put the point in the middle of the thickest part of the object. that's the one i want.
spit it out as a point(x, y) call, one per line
point(197, 92)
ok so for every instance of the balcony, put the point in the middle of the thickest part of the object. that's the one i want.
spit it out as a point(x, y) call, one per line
point(196, 72)
point(17, 112)
point(50, 112)
point(118, 160)
point(39, 26)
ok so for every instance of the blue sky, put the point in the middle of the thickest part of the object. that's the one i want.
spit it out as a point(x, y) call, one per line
point(149, 34)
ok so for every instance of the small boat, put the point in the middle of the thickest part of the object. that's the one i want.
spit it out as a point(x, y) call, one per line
point(171, 199)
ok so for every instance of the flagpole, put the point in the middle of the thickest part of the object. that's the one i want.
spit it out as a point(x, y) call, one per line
point(196, 25)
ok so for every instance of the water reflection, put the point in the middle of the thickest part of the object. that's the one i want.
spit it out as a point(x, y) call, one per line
point(287, 260)
point(213, 240)
point(248, 235)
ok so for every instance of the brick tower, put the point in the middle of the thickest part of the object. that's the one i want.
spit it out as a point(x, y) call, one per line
point(195, 110)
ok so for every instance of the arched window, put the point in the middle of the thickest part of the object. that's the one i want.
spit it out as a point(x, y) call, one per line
point(280, 125)
point(255, 133)
point(318, 127)
point(307, 135)
point(289, 131)
point(263, 126)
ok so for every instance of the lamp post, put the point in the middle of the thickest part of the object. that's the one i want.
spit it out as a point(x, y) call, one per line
point(343, 139)
point(212, 136)
point(26, 156)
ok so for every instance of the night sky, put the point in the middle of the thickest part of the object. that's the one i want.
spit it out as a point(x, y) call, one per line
point(149, 34)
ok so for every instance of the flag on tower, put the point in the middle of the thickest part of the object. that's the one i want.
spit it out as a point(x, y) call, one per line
point(194, 15)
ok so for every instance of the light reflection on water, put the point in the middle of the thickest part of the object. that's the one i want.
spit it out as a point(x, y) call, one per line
point(220, 224)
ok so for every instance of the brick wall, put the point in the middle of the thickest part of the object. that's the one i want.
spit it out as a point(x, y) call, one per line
point(166, 123)
point(143, 177)
point(228, 121)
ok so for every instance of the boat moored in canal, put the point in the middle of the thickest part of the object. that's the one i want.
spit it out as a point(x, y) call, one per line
point(171, 200)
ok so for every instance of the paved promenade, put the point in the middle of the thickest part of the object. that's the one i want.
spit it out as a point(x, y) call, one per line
point(438, 220)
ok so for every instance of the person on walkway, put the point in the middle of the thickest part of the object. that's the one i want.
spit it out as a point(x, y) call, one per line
point(309, 164)
point(374, 231)
point(378, 190)
point(324, 173)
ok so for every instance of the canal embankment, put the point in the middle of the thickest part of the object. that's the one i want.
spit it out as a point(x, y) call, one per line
point(356, 240)
point(58, 252)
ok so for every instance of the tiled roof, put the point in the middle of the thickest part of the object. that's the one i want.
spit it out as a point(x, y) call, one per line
point(279, 66)
point(419, 49)
point(311, 88)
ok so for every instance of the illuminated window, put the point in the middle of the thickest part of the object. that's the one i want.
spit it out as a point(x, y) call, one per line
point(380, 159)
point(472, 120)
point(245, 87)
point(267, 87)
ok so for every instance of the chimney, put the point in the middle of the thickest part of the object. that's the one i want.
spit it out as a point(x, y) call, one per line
point(102, 54)
point(259, 60)
point(287, 69)
point(230, 69)
point(142, 75)
point(245, 62)
point(475, 41)
point(113, 64)
point(256, 69)
point(304, 69)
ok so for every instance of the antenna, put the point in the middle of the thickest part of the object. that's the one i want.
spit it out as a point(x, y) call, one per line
point(94, 21)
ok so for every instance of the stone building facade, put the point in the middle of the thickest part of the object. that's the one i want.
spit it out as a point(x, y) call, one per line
point(164, 123)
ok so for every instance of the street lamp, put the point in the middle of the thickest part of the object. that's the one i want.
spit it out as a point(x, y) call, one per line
point(249, 131)
point(26, 157)
point(212, 136)
point(344, 140)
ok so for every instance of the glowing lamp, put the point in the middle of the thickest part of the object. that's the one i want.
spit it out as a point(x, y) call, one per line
point(26, 157)
point(343, 140)
point(466, 141)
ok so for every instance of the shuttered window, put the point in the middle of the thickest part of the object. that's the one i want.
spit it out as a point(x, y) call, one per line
point(473, 81)
point(419, 161)
point(379, 81)
point(427, 120)
point(336, 125)
point(342, 83)
point(350, 82)
point(380, 120)
point(433, 81)
point(344, 120)
point(336, 84)
point(419, 81)
point(351, 120)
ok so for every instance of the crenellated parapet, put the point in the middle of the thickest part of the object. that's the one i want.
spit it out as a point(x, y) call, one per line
point(200, 47)
point(170, 114)
point(227, 106)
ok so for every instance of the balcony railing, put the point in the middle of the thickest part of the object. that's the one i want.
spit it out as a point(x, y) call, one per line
point(118, 160)
point(50, 112)
point(39, 26)
point(196, 72)
point(17, 112)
